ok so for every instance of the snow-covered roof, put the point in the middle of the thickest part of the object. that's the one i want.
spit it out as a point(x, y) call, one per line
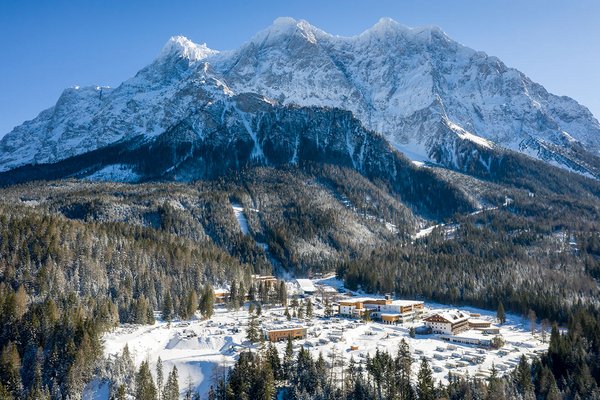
point(451, 316)
point(306, 285)
point(405, 303)
point(285, 327)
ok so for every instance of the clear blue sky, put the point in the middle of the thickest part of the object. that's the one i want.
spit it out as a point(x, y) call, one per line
point(49, 45)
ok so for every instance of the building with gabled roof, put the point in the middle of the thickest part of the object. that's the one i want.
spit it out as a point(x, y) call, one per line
point(448, 322)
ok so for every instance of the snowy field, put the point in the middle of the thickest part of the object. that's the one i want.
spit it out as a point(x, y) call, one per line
point(200, 348)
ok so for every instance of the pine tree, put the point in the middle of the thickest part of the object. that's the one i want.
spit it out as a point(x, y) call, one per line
point(309, 309)
point(287, 314)
point(212, 394)
point(265, 382)
point(282, 294)
point(232, 301)
point(121, 393)
point(523, 378)
point(328, 308)
point(5, 393)
point(273, 359)
point(10, 366)
point(191, 305)
point(532, 319)
point(160, 377)
point(167, 311)
point(207, 302)
point(145, 389)
point(425, 384)
point(264, 292)
point(288, 359)
point(403, 363)
point(500, 314)
point(495, 386)
point(252, 332)
point(171, 391)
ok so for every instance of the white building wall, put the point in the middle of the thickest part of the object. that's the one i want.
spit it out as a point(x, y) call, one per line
point(440, 327)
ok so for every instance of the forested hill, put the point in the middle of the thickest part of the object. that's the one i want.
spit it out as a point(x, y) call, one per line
point(78, 257)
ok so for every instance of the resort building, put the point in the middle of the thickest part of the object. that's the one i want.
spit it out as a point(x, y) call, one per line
point(221, 295)
point(387, 310)
point(475, 341)
point(269, 280)
point(276, 334)
point(448, 322)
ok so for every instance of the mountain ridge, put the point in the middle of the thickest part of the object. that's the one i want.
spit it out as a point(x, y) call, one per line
point(416, 86)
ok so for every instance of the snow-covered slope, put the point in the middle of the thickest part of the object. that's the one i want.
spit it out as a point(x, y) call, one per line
point(410, 85)
point(426, 93)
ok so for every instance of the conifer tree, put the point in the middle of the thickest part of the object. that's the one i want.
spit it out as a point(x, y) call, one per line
point(288, 359)
point(282, 294)
point(167, 310)
point(532, 319)
point(121, 393)
point(252, 333)
point(160, 377)
point(145, 388)
point(171, 391)
point(10, 366)
point(403, 363)
point(232, 301)
point(191, 305)
point(273, 358)
point(309, 308)
point(207, 302)
point(523, 378)
point(425, 384)
point(495, 386)
point(501, 314)
point(266, 382)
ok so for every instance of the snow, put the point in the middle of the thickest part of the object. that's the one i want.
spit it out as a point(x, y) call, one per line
point(96, 390)
point(183, 47)
point(463, 134)
point(306, 285)
point(238, 210)
point(115, 172)
point(200, 347)
point(195, 347)
point(404, 83)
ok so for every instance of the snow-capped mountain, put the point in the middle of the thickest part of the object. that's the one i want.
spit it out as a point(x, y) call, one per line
point(428, 95)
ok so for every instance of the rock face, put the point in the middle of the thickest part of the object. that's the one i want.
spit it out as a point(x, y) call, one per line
point(428, 96)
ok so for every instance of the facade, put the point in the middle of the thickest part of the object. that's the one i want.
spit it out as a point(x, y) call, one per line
point(283, 333)
point(467, 340)
point(479, 323)
point(351, 308)
point(448, 322)
point(387, 310)
point(266, 279)
point(221, 295)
